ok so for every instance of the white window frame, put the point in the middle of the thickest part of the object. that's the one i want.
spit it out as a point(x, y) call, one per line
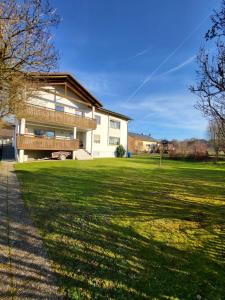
point(115, 122)
point(114, 143)
point(98, 118)
point(97, 141)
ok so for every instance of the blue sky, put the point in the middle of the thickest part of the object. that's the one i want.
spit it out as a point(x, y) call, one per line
point(138, 58)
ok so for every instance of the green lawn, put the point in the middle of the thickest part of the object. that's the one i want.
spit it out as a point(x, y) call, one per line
point(126, 229)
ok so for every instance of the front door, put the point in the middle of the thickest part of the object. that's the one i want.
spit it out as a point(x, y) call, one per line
point(81, 136)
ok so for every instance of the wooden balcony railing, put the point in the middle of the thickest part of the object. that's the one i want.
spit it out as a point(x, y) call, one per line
point(50, 116)
point(29, 142)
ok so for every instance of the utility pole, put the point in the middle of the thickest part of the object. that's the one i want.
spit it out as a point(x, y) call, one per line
point(161, 154)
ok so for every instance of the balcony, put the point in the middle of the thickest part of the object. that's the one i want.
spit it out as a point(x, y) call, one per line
point(49, 116)
point(29, 142)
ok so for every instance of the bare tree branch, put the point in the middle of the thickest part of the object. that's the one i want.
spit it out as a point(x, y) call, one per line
point(25, 46)
point(210, 86)
point(218, 24)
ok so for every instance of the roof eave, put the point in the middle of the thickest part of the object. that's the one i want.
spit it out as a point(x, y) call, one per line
point(68, 77)
point(118, 115)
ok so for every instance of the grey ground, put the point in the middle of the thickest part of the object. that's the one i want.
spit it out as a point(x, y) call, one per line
point(25, 272)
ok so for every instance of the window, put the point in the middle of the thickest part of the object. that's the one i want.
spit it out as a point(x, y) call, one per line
point(97, 139)
point(114, 140)
point(50, 134)
point(79, 113)
point(59, 107)
point(114, 124)
point(98, 119)
point(39, 132)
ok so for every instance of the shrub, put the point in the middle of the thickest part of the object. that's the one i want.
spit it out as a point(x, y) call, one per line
point(189, 150)
point(120, 151)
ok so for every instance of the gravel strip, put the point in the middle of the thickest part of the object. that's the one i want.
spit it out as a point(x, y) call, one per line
point(25, 272)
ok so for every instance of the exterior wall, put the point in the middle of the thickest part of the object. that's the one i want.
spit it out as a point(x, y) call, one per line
point(88, 142)
point(104, 149)
point(134, 145)
point(49, 100)
point(147, 145)
point(137, 145)
point(131, 144)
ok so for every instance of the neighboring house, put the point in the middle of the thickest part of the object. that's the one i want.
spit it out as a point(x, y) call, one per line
point(6, 132)
point(141, 143)
point(64, 116)
point(6, 140)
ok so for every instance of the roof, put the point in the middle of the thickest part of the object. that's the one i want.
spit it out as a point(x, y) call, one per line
point(60, 77)
point(110, 112)
point(142, 137)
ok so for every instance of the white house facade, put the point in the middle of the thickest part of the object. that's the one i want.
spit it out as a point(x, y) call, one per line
point(64, 116)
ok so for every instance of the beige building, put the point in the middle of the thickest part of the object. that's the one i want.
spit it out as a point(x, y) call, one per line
point(141, 143)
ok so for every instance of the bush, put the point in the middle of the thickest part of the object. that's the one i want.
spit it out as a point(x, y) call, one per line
point(189, 150)
point(120, 151)
point(190, 156)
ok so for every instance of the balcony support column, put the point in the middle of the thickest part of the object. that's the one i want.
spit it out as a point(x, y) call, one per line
point(93, 112)
point(21, 156)
point(74, 136)
point(22, 128)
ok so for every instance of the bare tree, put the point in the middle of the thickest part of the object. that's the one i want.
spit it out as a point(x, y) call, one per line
point(217, 29)
point(216, 138)
point(210, 87)
point(25, 46)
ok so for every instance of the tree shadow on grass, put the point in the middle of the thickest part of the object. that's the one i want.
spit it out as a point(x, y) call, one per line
point(104, 229)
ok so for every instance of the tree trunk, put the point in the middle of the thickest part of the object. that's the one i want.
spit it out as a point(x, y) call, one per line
point(216, 154)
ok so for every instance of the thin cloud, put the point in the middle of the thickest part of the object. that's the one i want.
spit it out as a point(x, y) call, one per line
point(167, 111)
point(149, 77)
point(180, 66)
point(141, 53)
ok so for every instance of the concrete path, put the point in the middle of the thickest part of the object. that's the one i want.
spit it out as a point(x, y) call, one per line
point(25, 272)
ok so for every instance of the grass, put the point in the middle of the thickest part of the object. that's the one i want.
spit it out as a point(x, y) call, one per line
point(127, 229)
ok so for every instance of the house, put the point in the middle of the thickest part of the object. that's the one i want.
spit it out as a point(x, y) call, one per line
point(141, 143)
point(6, 132)
point(64, 116)
point(6, 138)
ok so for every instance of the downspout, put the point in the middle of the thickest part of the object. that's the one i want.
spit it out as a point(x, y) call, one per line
point(93, 116)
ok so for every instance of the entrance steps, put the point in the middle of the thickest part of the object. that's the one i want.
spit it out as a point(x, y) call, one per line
point(81, 154)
